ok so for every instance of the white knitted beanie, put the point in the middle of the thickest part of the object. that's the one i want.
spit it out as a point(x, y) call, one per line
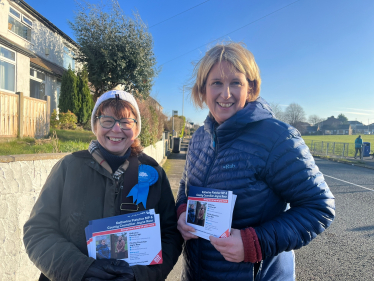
point(123, 96)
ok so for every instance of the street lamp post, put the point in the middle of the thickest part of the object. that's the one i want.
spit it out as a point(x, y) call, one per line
point(183, 114)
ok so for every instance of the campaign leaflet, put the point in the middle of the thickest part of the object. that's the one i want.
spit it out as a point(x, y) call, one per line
point(210, 211)
point(94, 227)
point(135, 238)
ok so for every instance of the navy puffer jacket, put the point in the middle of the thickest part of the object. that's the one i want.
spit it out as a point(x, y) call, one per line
point(266, 163)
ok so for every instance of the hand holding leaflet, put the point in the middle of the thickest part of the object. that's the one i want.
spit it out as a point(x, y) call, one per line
point(210, 211)
point(134, 238)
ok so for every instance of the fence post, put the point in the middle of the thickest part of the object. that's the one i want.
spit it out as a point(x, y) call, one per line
point(20, 114)
point(322, 148)
point(47, 114)
point(347, 149)
point(343, 149)
point(333, 149)
point(327, 148)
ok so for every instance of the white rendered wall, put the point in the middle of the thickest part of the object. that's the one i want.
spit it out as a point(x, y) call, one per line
point(23, 74)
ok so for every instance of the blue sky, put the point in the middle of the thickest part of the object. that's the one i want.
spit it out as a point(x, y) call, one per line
point(319, 54)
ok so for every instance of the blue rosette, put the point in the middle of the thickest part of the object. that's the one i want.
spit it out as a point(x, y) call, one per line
point(146, 177)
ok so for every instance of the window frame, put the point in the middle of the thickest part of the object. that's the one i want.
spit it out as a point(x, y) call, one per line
point(24, 22)
point(21, 21)
point(14, 62)
point(13, 15)
point(36, 79)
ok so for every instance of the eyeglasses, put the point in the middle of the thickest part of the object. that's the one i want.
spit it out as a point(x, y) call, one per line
point(108, 122)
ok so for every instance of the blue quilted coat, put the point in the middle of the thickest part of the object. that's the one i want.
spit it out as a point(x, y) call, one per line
point(266, 163)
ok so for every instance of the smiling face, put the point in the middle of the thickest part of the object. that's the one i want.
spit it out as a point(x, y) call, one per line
point(226, 91)
point(115, 140)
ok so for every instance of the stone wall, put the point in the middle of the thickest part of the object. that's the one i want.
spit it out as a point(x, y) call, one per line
point(21, 179)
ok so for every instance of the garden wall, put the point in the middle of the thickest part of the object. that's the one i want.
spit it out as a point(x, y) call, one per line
point(21, 179)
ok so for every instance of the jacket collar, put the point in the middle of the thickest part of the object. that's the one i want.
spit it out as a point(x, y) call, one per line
point(253, 111)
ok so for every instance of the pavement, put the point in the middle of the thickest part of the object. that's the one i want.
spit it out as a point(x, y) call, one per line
point(174, 166)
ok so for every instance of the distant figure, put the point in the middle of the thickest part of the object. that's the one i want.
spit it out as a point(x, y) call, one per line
point(102, 250)
point(191, 214)
point(358, 145)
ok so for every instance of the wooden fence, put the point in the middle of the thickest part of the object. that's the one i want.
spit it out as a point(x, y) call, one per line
point(23, 116)
point(9, 106)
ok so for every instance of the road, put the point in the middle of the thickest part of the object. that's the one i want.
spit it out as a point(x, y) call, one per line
point(345, 251)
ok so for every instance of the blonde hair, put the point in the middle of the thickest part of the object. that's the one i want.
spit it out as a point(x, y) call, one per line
point(240, 58)
point(121, 109)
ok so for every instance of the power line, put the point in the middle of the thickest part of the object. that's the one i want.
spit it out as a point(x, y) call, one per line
point(231, 32)
point(178, 14)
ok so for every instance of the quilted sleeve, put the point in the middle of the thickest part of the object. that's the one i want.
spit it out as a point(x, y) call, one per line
point(293, 175)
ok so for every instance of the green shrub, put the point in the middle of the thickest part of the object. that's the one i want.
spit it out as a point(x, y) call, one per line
point(55, 123)
point(65, 121)
point(68, 121)
point(152, 122)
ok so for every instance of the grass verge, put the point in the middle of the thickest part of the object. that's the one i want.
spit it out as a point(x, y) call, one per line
point(61, 141)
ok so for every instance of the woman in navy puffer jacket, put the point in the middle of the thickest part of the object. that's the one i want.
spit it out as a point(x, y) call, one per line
point(265, 162)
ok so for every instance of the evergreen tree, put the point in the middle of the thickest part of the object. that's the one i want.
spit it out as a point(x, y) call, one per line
point(86, 101)
point(342, 118)
point(69, 99)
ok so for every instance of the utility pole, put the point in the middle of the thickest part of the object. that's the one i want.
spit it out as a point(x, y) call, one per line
point(183, 102)
point(183, 115)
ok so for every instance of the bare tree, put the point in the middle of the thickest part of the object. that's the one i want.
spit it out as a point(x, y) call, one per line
point(278, 112)
point(294, 114)
point(314, 119)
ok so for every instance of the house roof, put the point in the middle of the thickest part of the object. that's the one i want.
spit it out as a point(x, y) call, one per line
point(364, 126)
point(46, 22)
point(339, 127)
point(15, 47)
point(47, 66)
point(312, 128)
point(354, 122)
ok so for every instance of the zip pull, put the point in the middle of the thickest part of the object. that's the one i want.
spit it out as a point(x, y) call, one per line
point(214, 139)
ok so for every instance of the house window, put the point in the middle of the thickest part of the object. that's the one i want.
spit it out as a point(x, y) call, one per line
point(7, 69)
point(37, 84)
point(19, 24)
point(68, 58)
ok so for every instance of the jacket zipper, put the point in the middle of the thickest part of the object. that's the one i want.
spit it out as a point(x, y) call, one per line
point(214, 159)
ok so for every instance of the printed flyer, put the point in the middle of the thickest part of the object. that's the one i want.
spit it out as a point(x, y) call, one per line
point(135, 238)
point(210, 211)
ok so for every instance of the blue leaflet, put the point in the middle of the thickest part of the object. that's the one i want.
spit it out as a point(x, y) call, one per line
point(146, 177)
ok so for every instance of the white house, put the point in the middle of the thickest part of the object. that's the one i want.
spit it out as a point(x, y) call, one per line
point(34, 53)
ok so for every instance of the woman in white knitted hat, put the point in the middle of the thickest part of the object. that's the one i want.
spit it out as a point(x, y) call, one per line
point(94, 184)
